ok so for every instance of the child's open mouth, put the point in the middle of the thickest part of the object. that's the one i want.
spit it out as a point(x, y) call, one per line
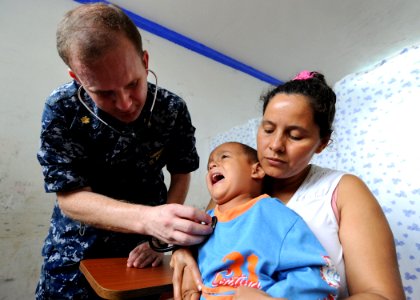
point(216, 177)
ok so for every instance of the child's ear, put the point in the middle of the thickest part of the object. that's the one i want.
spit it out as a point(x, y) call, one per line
point(257, 171)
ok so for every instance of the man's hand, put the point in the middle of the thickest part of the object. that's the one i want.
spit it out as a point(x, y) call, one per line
point(177, 224)
point(142, 256)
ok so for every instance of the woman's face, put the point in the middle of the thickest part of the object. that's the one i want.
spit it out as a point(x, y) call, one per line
point(288, 136)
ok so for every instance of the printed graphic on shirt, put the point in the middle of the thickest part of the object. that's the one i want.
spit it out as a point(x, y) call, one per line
point(234, 276)
point(329, 273)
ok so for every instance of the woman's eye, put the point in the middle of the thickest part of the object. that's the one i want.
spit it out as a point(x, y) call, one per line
point(295, 137)
point(268, 130)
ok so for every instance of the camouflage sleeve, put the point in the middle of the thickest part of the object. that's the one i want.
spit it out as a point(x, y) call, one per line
point(60, 155)
point(183, 156)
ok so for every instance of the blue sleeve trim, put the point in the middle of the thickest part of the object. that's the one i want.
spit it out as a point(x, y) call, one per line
point(193, 45)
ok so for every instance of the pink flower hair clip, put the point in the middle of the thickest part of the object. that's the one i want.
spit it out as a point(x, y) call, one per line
point(304, 75)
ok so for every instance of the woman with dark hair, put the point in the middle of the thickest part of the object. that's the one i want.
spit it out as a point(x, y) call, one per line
point(338, 207)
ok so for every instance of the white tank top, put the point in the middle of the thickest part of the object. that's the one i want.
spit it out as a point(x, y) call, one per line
point(312, 201)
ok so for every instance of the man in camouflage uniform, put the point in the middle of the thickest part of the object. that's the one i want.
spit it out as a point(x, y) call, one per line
point(107, 169)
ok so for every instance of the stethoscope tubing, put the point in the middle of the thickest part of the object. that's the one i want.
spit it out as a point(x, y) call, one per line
point(80, 98)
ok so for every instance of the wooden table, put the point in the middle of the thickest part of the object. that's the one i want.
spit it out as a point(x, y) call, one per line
point(111, 279)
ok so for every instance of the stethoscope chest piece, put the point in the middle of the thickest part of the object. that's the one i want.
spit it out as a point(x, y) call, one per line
point(159, 246)
point(213, 222)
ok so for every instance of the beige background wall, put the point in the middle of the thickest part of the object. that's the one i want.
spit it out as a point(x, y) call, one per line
point(218, 98)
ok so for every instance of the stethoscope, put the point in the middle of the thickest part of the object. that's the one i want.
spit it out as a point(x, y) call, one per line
point(81, 100)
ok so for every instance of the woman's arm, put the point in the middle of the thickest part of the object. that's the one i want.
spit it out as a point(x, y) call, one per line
point(368, 244)
point(186, 278)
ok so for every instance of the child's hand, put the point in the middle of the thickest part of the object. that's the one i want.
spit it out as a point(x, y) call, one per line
point(142, 256)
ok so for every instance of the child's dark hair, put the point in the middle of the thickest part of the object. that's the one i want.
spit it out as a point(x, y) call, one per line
point(250, 152)
point(321, 98)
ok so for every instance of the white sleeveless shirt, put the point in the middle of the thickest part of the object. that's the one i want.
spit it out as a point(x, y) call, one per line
point(312, 201)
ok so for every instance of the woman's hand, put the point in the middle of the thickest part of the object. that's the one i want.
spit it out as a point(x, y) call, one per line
point(186, 278)
point(248, 293)
point(189, 289)
point(142, 256)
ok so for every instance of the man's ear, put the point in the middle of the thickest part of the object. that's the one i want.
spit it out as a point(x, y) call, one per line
point(72, 75)
point(257, 171)
point(145, 59)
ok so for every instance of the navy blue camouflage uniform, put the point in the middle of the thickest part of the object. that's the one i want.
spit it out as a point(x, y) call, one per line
point(77, 150)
